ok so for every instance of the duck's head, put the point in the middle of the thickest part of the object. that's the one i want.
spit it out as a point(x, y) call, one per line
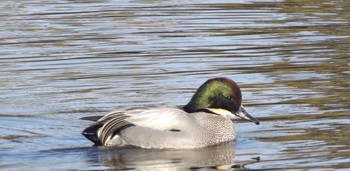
point(220, 96)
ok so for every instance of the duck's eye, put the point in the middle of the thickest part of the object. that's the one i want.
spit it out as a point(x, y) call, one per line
point(230, 97)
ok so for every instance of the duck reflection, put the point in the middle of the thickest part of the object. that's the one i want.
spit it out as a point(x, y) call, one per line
point(220, 156)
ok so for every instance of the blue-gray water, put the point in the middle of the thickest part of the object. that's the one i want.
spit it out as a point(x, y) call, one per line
point(63, 60)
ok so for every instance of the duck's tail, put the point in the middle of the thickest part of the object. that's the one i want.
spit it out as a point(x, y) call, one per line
point(91, 133)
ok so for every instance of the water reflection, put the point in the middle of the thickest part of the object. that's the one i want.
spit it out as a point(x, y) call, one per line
point(147, 159)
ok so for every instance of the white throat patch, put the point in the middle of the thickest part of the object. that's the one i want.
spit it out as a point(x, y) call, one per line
point(222, 112)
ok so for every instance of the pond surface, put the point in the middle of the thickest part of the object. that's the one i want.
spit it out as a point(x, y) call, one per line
point(63, 60)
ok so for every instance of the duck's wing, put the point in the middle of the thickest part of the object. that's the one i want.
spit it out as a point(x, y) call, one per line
point(106, 126)
point(111, 124)
point(157, 118)
point(160, 118)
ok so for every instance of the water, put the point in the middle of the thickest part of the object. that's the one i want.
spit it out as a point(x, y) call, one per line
point(63, 60)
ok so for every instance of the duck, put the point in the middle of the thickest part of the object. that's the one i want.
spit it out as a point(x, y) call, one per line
point(206, 120)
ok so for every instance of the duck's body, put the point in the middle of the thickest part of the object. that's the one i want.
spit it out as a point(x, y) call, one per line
point(167, 127)
point(204, 121)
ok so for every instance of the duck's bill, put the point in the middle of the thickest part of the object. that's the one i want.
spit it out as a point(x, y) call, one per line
point(245, 115)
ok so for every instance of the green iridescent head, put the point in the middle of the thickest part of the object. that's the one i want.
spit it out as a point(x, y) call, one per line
point(220, 96)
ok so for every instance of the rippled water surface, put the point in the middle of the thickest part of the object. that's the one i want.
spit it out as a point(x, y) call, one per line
point(63, 60)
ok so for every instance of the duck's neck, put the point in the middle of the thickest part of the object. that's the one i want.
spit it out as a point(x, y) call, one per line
point(190, 109)
point(187, 108)
point(198, 102)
